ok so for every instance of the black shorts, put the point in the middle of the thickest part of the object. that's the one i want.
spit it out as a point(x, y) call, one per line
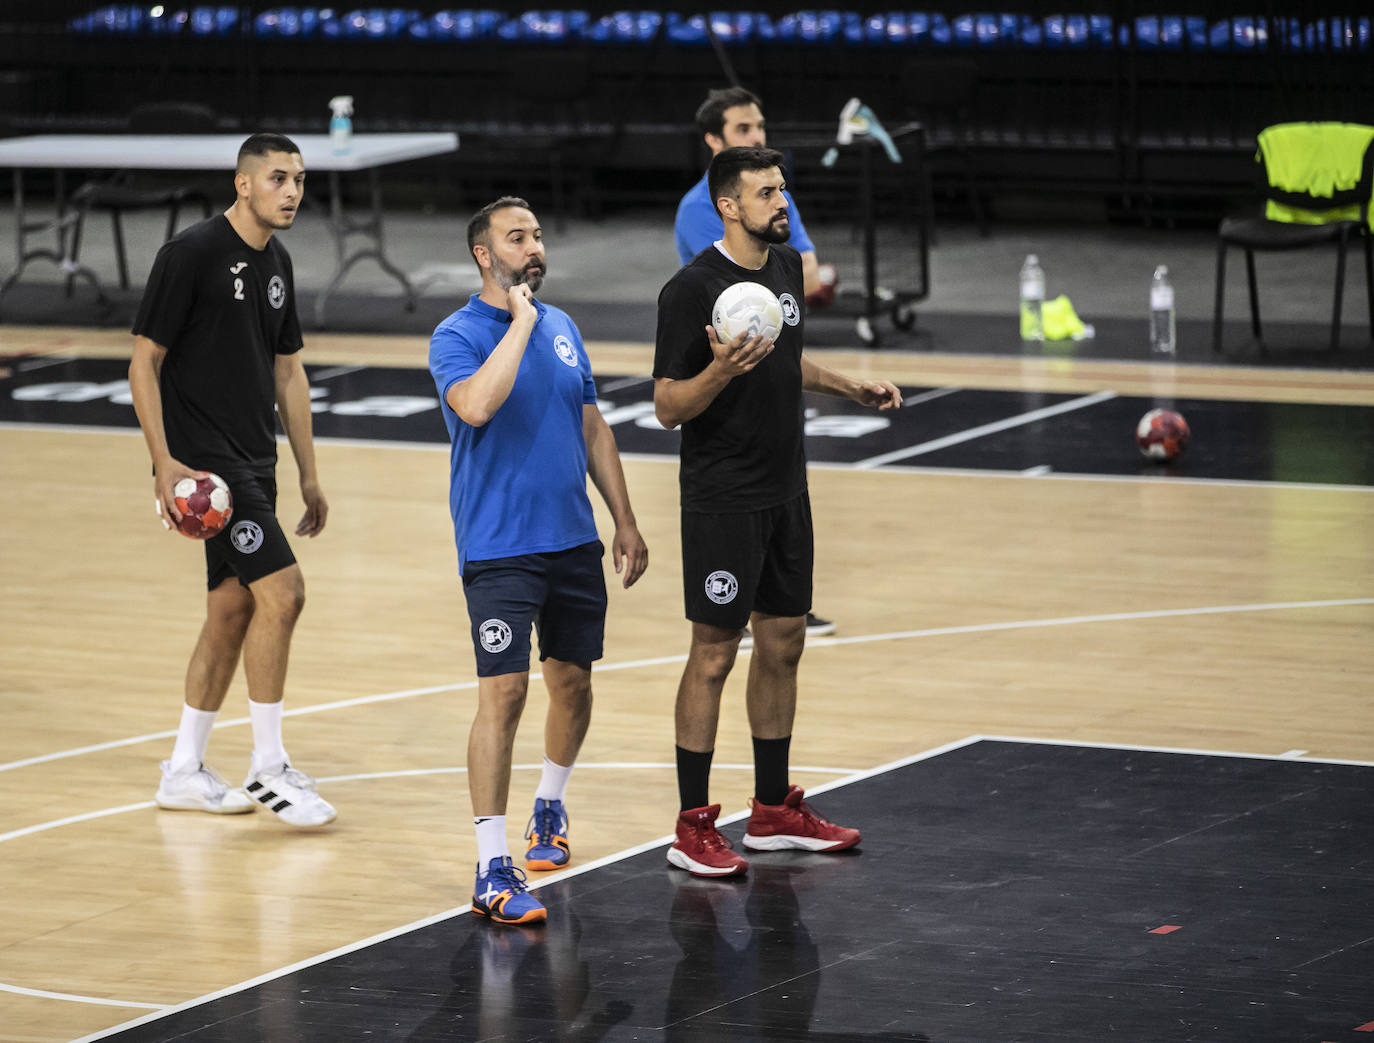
point(735, 564)
point(252, 545)
point(562, 594)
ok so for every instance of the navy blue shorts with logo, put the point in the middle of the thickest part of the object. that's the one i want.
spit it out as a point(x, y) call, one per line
point(252, 545)
point(561, 594)
point(735, 564)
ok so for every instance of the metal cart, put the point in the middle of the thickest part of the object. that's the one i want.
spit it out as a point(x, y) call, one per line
point(870, 218)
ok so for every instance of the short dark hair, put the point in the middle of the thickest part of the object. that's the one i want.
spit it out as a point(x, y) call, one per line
point(722, 176)
point(711, 113)
point(481, 221)
point(262, 144)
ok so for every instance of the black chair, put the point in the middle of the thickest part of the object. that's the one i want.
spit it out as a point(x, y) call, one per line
point(1305, 167)
point(126, 191)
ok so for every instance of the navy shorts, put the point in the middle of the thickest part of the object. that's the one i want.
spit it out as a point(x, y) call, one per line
point(561, 594)
point(252, 545)
point(759, 561)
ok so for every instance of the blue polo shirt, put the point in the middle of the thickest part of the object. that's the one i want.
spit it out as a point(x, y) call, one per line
point(518, 484)
point(698, 225)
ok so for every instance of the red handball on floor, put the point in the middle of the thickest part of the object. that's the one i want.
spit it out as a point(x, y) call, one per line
point(1162, 434)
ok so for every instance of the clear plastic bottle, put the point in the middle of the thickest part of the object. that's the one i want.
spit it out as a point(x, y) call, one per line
point(1032, 300)
point(1162, 332)
point(341, 123)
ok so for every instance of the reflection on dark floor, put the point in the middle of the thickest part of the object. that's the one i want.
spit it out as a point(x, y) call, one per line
point(1005, 891)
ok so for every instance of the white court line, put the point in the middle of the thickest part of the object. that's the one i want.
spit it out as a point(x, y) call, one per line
point(815, 465)
point(1184, 750)
point(659, 842)
point(623, 383)
point(819, 642)
point(930, 396)
point(1109, 617)
point(44, 994)
point(339, 371)
point(33, 364)
point(143, 805)
point(1081, 402)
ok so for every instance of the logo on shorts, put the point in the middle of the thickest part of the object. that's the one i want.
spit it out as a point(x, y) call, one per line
point(791, 314)
point(494, 635)
point(276, 292)
point(564, 349)
point(721, 587)
point(246, 536)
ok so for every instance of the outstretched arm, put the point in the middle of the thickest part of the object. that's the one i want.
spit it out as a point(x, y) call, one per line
point(879, 393)
point(293, 405)
point(603, 467)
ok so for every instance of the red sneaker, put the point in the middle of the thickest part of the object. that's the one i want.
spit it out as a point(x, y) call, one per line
point(794, 824)
point(700, 848)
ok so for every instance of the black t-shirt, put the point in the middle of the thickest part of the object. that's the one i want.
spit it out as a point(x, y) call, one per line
point(743, 452)
point(223, 311)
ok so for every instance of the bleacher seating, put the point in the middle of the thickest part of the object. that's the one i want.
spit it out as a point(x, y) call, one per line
point(1131, 99)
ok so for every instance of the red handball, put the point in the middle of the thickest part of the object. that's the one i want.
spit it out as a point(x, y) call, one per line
point(1162, 434)
point(205, 505)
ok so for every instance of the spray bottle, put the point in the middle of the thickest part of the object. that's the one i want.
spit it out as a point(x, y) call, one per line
point(341, 123)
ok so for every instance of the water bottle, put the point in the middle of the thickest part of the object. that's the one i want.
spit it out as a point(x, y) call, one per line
point(341, 123)
point(1032, 300)
point(1162, 340)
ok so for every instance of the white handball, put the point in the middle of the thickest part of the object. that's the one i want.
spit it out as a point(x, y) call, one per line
point(746, 307)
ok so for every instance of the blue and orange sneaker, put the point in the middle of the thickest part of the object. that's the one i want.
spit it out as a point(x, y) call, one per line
point(548, 836)
point(500, 894)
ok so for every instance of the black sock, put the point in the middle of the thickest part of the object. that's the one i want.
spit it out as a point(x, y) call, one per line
point(770, 769)
point(693, 777)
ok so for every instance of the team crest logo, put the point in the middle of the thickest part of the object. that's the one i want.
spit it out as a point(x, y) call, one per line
point(564, 349)
point(246, 536)
point(721, 587)
point(276, 292)
point(494, 635)
point(791, 314)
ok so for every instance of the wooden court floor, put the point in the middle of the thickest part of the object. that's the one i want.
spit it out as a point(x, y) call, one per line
point(1214, 616)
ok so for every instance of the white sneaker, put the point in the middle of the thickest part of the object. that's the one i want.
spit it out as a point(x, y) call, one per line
point(199, 790)
point(291, 795)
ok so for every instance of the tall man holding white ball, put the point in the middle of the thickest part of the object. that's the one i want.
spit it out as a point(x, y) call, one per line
point(216, 360)
point(747, 542)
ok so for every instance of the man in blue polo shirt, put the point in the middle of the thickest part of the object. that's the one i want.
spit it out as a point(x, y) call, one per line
point(520, 405)
point(732, 117)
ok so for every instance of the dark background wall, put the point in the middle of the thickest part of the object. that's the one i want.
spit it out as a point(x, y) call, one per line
point(1096, 107)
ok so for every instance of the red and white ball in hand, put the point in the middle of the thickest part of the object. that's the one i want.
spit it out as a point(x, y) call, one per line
point(1162, 434)
point(205, 505)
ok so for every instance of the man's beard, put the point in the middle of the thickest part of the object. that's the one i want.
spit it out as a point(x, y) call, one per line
point(505, 276)
point(770, 232)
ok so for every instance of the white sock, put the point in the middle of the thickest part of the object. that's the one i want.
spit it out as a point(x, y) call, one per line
point(553, 782)
point(268, 753)
point(491, 839)
point(193, 737)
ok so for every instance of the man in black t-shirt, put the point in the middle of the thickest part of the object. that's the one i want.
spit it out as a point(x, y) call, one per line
point(747, 549)
point(215, 361)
